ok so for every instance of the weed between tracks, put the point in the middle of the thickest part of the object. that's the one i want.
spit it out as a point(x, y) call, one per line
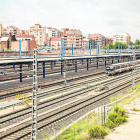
point(116, 117)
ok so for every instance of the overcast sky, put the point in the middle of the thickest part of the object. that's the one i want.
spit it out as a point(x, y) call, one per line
point(108, 17)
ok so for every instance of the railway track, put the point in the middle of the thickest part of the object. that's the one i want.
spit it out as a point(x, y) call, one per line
point(58, 83)
point(14, 74)
point(77, 104)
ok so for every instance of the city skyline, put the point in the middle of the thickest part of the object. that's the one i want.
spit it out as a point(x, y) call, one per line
point(105, 17)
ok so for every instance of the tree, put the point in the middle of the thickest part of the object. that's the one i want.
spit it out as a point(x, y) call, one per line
point(124, 46)
point(137, 42)
point(104, 47)
point(111, 46)
point(130, 43)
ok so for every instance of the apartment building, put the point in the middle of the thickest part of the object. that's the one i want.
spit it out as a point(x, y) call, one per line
point(122, 37)
point(39, 33)
point(108, 40)
point(52, 32)
point(72, 37)
point(98, 38)
point(85, 43)
point(11, 30)
point(1, 30)
point(55, 43)
point(70, 31)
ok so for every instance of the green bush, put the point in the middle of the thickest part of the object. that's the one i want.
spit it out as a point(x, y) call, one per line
point(116, 109)
point(116, 117)
point(121, 111)
point(72, 138)
point(112, 116)
point(119, 120)
point(97, 131)
point(79, 138)
point(110, 124)
point(124, 119)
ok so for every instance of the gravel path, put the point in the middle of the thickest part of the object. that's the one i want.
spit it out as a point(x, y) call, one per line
point(131, 129)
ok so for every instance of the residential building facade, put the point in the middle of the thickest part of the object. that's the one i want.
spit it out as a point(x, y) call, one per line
point(122, 37)
point(39, 33)
point(55, 43)
point(72, 37)
point(98, 38)
point(52, 32)
point(11, 30)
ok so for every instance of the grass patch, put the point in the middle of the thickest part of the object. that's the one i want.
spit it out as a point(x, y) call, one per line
point(112, 99)
point(134, 109)
point(115, 117)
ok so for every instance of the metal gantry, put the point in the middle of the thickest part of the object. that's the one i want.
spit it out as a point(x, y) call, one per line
point(133, 71)
point(34, 98)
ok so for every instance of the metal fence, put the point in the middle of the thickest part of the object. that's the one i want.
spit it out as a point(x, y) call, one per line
point(102, 112)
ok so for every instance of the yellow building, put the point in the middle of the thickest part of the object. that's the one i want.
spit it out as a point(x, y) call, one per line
point(122, 37)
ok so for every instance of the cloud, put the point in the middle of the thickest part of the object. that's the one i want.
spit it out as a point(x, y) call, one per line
point(108, 17)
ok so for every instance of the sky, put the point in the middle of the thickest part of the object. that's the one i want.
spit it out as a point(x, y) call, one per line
point(107, 17)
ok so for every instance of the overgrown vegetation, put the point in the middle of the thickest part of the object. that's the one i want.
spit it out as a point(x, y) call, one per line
point(116, 117)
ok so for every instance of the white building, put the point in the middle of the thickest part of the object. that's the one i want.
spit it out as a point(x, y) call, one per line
point(122, 37)
point(52, 32)
point(85, 43)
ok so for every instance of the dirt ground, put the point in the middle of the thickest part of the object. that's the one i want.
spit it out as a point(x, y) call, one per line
point(131, 129)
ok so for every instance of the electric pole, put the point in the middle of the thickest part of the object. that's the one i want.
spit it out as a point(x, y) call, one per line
point(34, 98)
point(65, 73)
point(133, 71)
